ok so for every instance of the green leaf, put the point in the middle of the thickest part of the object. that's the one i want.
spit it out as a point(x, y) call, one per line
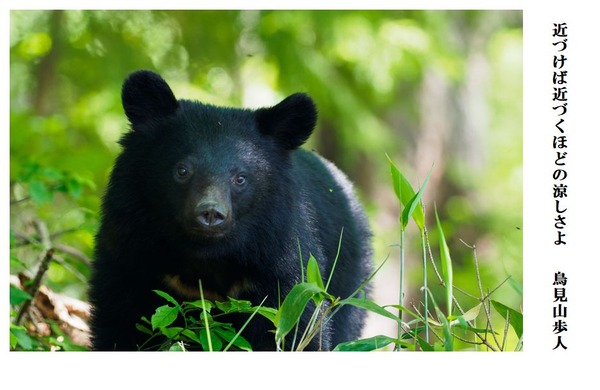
point(313, 275)
point(230, 336)
point(515, 318)
point(210, 342)
point(164, 316)
point(177, 347)
point(143, 329)
point(446, 263)
point(425, 346)
point(19, 336)
point(39, 192)
point(18, 296)
point(13, 340)
point(371, 306)
point(405, 193)
point(293, 306)
point(480, 330)
point(415, 204)
point(200, 305)
point(231, 342)
point(234, 306)
point(167, 297)
point(50, 174)
point(171, 332)
point(269, 313)
point(368, 344)
point(74, 187)
point(240, 306)
point(469, 315)
point(448, 337)
point(191, 335)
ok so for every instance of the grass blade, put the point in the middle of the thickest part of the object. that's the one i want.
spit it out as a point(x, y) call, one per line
point(209, 339)
point(239, 332)
point(446, 262)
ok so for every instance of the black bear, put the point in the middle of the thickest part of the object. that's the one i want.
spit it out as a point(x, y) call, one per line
point(225, 196)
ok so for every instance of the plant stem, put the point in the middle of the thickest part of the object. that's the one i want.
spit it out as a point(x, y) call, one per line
point(400, 294)
point(426, 314)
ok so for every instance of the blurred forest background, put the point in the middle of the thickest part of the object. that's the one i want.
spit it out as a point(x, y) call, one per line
point(441, 88)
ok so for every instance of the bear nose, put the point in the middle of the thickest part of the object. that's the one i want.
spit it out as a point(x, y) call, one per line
point(210, 214)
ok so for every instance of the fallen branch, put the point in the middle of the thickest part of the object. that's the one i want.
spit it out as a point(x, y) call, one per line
point(35, 286)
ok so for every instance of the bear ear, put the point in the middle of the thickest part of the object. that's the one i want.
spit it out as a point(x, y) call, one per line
point(290, 122)
point(146, 96)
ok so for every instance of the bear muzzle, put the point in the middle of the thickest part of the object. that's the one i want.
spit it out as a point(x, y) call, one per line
point(212, 219)
point(211, 214)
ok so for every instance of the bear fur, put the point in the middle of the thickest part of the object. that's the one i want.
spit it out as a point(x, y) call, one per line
point(228, 197)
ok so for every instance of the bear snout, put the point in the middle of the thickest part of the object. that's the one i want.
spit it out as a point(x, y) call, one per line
point(211, 214)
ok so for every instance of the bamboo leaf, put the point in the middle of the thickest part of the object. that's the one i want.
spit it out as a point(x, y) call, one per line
point(425, 346)
point(446, 262)
point(405, 193)
point(293, 306)
point(368, 344)
point(469, 315)
point(313, 275)
point(515, 319)
point(373, 307)
point(414, 208)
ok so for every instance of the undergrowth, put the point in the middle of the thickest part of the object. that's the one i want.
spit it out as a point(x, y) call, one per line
point(436, 323)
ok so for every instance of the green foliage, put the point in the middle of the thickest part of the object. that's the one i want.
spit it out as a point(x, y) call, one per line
point(43, 182)
point(388, 67)
point(368, 344)
point(448, 323)
point(18, 296)
point(407, 197)
point(41, 248)
point(199, 328)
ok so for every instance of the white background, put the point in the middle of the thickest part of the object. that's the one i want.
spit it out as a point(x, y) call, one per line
point(537, 365)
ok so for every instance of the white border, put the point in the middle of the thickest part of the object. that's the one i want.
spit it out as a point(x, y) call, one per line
point(536, 365)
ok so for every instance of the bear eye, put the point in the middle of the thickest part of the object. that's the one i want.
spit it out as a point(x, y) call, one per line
point(239, 180)
point(182, 171)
